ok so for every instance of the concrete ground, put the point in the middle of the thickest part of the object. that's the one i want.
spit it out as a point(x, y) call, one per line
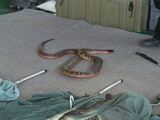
point(22, 32)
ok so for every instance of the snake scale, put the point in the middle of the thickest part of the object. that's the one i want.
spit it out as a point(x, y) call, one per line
point(80, 54)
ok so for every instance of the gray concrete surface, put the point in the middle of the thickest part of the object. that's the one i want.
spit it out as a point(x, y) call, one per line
point(21, 33)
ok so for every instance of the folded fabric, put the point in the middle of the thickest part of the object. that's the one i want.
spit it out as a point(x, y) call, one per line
point(56, 106)
point(127, 106)
point(8, 91)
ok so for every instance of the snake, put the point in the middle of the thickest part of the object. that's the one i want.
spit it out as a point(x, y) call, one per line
point(80, 54)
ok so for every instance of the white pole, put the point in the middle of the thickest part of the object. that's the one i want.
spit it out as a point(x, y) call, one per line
point(111, 86)
point(30, 76)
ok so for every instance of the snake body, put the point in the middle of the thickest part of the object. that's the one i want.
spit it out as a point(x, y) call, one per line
point(80, 54)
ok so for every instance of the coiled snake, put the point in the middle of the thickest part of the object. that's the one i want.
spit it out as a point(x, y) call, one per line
point(80, 54)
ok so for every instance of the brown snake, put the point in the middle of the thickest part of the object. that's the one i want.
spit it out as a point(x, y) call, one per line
point(80, 54)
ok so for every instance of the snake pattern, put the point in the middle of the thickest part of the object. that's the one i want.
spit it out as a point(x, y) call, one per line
point(80, 54)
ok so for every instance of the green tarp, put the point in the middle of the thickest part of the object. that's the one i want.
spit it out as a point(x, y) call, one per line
point(4, 4)
point(8, 90)
point(56, 106)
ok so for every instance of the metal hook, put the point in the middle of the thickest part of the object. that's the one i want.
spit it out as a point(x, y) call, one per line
point(71, 99)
